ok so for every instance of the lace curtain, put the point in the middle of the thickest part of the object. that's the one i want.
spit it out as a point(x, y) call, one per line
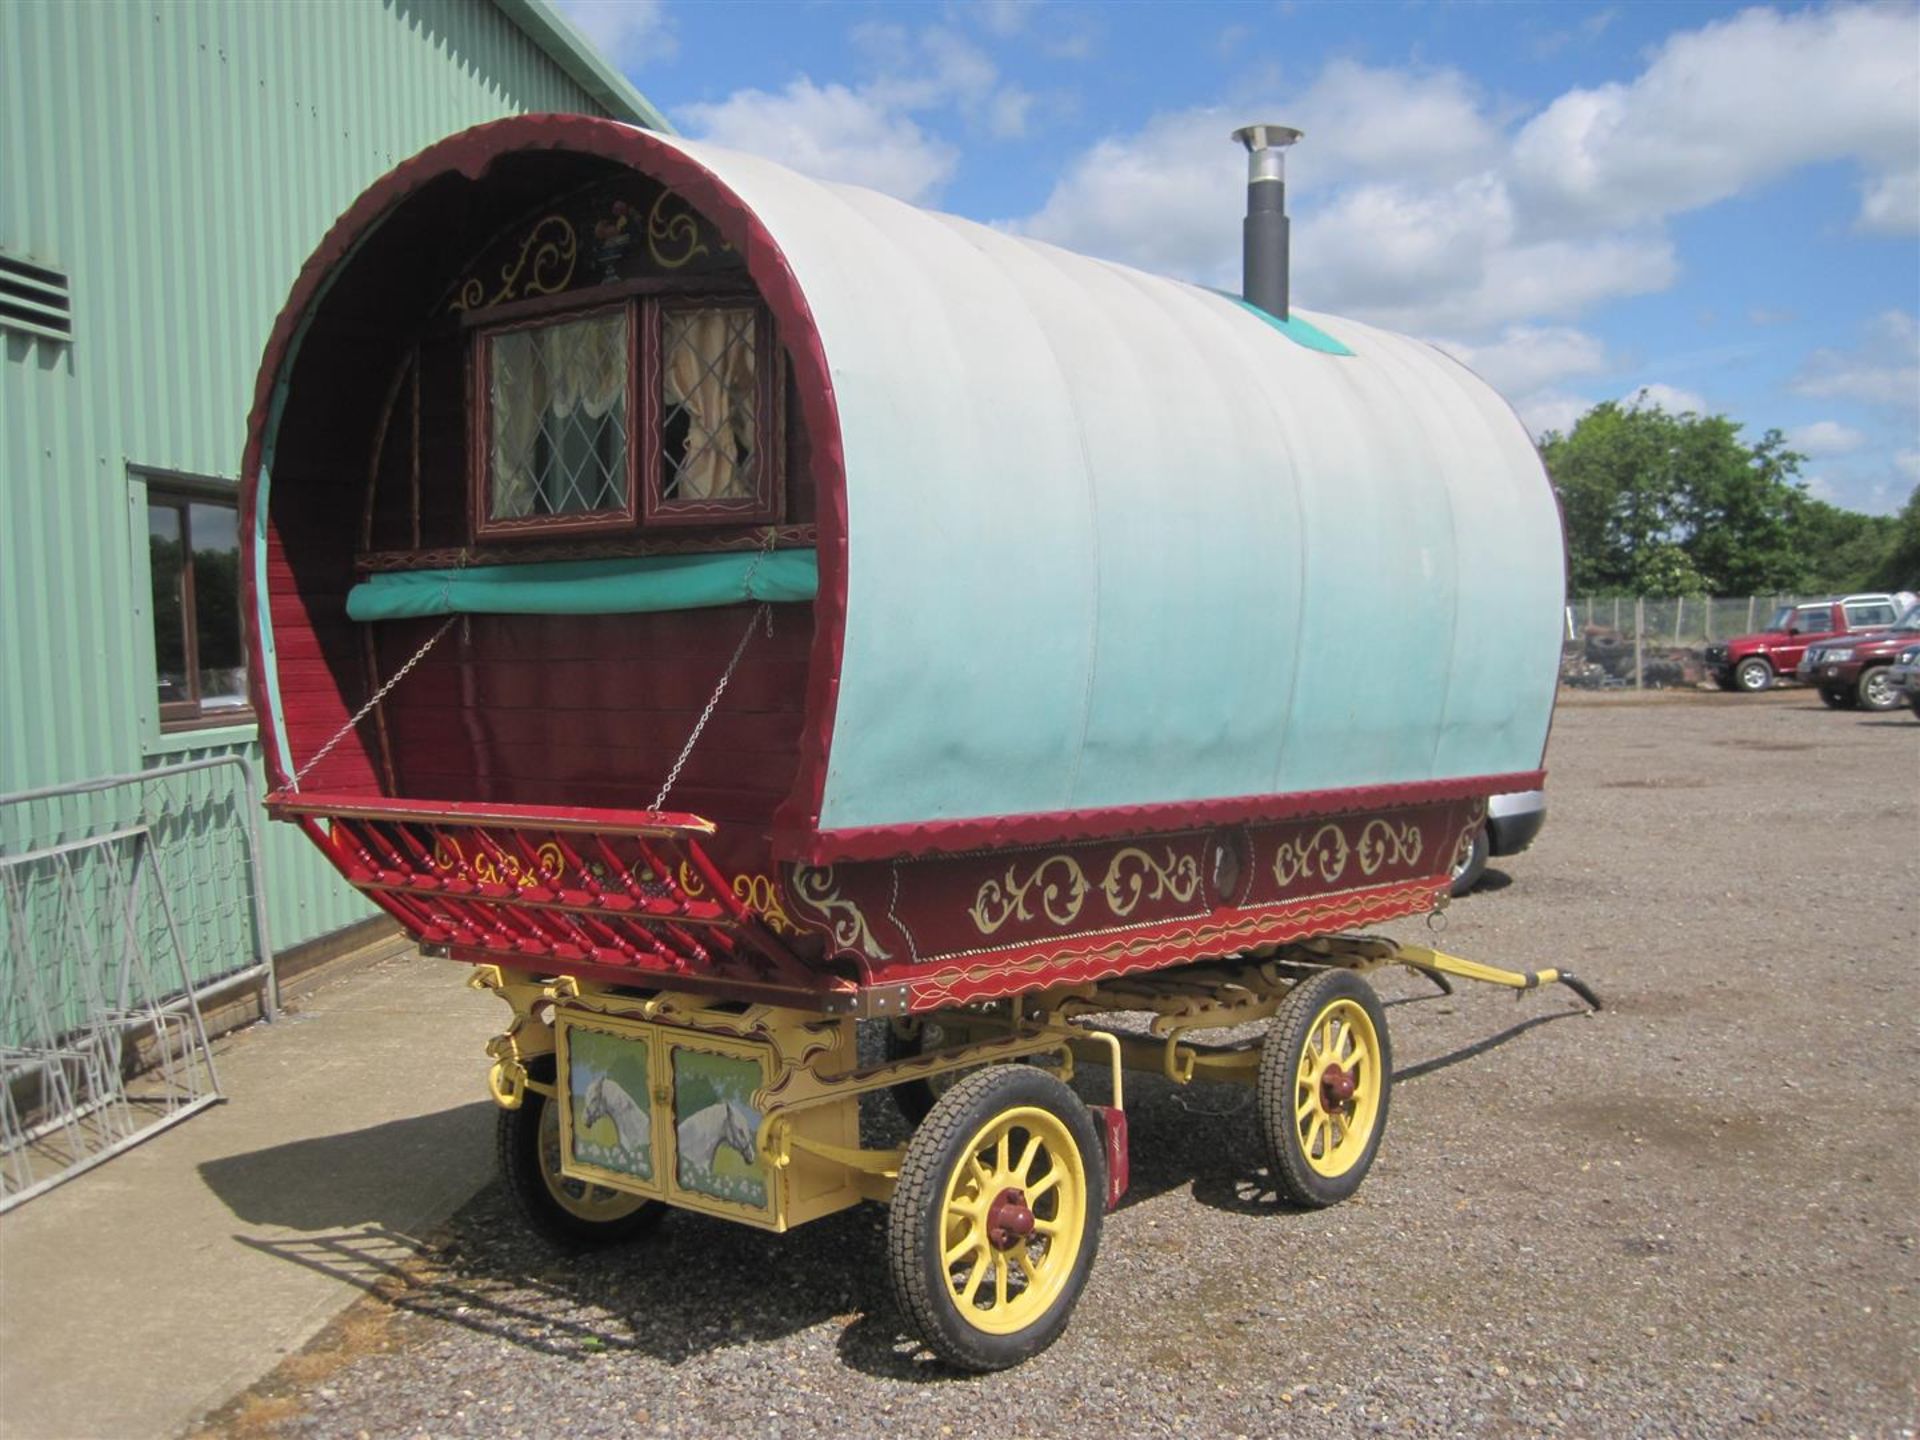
point(709, 380)
point(557, 383)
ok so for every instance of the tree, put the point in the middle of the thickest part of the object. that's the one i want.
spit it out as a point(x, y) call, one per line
point(1661, 504)
point(1900, 569)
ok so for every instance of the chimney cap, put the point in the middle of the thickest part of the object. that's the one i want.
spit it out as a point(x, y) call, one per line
point(1266, 137)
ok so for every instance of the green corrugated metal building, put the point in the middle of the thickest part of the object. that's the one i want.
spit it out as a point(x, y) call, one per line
point(165, 169)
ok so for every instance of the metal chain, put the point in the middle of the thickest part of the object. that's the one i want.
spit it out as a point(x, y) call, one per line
point(367, 709)
point(766, 610)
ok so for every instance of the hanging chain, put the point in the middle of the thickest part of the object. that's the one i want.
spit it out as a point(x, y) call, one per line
point(713, 700)
point(378, 695)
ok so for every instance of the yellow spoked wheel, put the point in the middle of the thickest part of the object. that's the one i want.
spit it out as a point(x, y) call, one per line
point(566, 1211)
point(1326, 1071)
point(996, 1216)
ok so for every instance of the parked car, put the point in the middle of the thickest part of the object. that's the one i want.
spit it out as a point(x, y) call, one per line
point(1904, 676)
point(1858, 669)
point(1753, 662)
point(1512, 822)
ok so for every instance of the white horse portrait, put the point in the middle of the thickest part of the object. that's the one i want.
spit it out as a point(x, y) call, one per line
point(725, 1122)
point(631, 1120)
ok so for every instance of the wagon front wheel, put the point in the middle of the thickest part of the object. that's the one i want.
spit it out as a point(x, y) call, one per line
point(1326, 1073)
point(568, 1212)
point(996, 1217)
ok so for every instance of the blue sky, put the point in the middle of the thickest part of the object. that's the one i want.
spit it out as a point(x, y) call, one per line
point(1717, 204)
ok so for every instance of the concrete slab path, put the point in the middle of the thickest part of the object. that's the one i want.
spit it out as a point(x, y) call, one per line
point(140, 1295)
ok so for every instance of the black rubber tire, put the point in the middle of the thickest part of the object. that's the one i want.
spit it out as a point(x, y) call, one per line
point(1467, 873)
point(523, 1175)
point(1752, 675)
point(1872, 692)
point(916, 1238)
point(1836, 699)
point(1295, 1179)
point(1913, 699)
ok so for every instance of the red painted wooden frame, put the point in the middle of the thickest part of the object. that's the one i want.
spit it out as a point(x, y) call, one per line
point(767, 503)
point(486, 525)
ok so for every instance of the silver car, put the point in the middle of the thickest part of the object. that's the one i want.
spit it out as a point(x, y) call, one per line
point(1512, 822)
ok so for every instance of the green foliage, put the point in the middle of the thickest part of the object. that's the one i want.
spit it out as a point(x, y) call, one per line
point(1660, 504)
point(1900, 570)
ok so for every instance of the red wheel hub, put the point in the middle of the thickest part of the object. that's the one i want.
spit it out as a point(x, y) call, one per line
point(1009, 1219)
point(1336, 1087)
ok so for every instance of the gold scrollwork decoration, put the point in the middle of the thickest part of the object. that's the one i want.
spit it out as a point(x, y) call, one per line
point(673, 226)
point(690, 881)
point(1325, 850)
point(544, 266)
point(508, 869)
point(1131, 870)
point(1384, 842)
point(819, 892)
point(760, 895)
point(1006, 899)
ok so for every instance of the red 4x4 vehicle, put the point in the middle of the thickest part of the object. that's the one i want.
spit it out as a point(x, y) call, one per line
point(1856, 669)
point(1753, 662)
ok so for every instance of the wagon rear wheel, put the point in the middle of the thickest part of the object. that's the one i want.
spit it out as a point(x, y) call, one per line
point(572, 1213)
point(996, 1217)
point(1326, 1074)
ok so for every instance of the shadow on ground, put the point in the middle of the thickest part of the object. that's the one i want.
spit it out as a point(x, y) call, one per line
point(370, 1177)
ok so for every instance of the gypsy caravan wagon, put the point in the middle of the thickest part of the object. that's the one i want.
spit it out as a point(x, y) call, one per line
point(721, 606)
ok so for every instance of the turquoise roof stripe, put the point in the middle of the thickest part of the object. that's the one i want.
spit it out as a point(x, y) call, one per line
point(590, 587)
point(1300, 331)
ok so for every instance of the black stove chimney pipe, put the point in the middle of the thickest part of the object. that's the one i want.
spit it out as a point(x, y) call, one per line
point(1263, 271)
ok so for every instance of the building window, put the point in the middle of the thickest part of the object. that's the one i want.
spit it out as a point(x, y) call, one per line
point(660, 411)
point(193, 547)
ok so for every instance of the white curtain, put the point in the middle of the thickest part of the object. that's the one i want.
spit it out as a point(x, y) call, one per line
point(539, 377)
point(709, 372)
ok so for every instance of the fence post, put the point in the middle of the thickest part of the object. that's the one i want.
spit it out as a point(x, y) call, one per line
point(1639, 624)
point(1616, 614)
point(1749, 629)
point(1679, 610)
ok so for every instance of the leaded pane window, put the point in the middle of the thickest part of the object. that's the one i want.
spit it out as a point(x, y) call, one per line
point(558, 401)
point(709, 395)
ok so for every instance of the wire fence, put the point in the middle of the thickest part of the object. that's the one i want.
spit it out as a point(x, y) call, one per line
point(1644, 642)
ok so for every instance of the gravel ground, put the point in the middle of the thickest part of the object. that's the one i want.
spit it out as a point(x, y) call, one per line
point(1694, 1214)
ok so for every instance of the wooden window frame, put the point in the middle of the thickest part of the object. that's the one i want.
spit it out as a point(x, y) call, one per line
point(766, 505)
point(480, 453)
point(643, 504)
point(181, 496)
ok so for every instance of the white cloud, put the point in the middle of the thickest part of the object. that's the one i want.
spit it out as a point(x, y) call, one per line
point(1884, 370)
point(1907, 462)
point(1670, 398)
point(1526, 360)
point(1551, 410)
point(630, 33)
point(1002, 17)
point(1890, 204)
point(1825, 437)
point(1820, 488)
point(868, 133)
point(832, 133)
point(1421, 205)
point(1734, 103)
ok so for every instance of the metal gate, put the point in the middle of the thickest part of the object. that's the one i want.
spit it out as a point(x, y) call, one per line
point(122, 900)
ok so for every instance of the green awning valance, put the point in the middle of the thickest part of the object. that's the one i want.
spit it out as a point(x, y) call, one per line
point(589, 587)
